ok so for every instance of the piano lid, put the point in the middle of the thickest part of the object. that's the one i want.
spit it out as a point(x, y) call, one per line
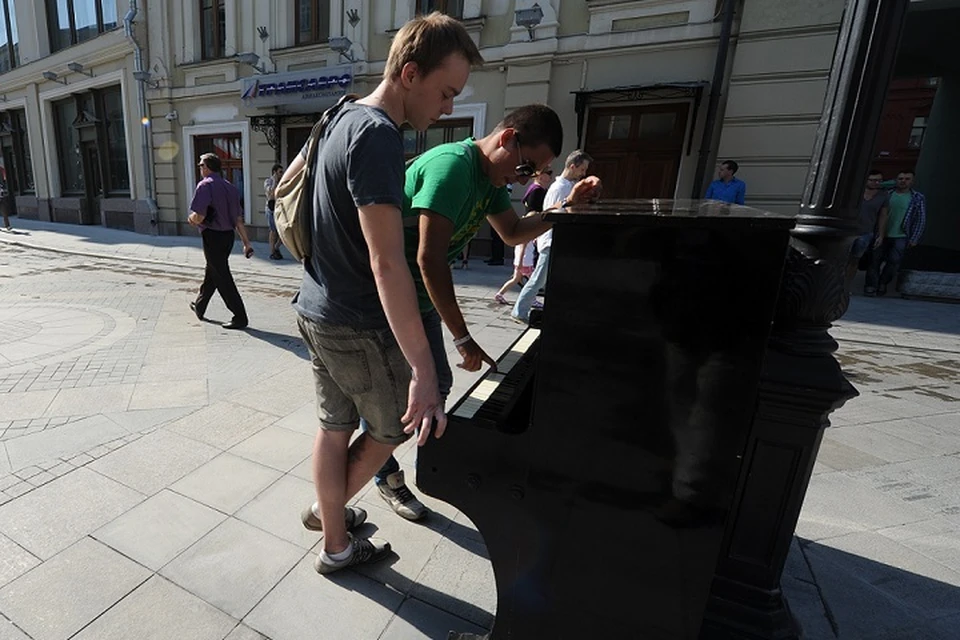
point(668, 213)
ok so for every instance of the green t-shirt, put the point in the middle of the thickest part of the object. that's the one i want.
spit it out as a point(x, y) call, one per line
point(449, 181)
point(896, 212)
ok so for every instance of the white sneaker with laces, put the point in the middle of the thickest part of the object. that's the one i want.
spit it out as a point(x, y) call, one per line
point(396, 493)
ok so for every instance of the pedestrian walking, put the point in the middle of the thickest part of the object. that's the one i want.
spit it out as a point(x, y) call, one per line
point(216, 210)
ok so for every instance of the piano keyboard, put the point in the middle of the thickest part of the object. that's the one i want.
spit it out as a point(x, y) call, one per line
point(471, 403)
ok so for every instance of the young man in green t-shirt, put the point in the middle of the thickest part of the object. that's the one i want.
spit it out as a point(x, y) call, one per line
point(448, 193)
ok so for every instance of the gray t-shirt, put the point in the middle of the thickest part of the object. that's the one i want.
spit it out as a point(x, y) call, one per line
point(360, 163)
point(870, 211)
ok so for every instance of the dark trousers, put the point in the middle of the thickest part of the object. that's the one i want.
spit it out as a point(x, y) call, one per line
point(890, 255)
point(217, 246)
point(496, 247)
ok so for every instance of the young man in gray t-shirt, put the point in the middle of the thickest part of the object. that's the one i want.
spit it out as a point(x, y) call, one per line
point(357, 305)
point(873, 206)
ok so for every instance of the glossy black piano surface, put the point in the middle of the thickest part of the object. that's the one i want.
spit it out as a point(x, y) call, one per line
point(601, 466)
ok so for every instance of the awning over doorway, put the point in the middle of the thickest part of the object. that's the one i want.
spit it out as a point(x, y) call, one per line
point(635, 93)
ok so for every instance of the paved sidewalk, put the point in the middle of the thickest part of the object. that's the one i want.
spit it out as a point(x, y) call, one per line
point(144, 457)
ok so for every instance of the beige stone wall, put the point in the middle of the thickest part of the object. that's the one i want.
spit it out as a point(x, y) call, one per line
point(781, 62)
point(768, 116)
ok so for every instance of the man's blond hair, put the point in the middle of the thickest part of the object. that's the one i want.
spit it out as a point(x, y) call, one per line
point(427, 41)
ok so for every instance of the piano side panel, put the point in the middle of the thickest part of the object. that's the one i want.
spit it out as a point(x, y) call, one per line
point(650, 356)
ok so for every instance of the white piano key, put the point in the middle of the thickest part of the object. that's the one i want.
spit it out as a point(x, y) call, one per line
point(470, 405)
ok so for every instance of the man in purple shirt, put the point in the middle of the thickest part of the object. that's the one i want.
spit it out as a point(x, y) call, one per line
point(216, 210)
point(726, 187)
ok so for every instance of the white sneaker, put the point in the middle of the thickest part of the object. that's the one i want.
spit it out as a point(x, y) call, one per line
point(396, 493)
point(364, 550)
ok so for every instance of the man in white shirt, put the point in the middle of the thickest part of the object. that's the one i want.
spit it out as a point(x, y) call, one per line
point(575, 169)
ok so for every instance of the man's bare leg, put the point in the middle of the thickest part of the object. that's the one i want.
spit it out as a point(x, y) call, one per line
point(366, 457)
point(338, 474)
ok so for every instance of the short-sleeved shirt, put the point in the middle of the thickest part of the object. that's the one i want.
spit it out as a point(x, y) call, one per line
point(268, 186)
point(533, 198)
point(214, 191)
point(360, 163)
point(899, 203)
point(870, 211)
point(559, 189)
point(448, 180)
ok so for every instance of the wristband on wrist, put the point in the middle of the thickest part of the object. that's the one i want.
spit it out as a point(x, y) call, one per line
point(462, 341)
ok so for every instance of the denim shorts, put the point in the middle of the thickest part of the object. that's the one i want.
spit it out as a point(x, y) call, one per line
point(271, 221)
point(358, 372)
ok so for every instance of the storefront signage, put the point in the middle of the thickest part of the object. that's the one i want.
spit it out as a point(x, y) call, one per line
point(273, 89)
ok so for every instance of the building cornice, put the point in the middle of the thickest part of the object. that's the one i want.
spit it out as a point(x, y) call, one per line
point(109, 47)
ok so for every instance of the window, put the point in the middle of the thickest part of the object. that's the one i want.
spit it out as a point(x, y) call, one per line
point(16, 168)
point(74, 21)
point(312, 21)
point(68, 147)
point(118, 173)
point(450, 7)
point(615, 126)
point(917, 131)
point(450, 130)
point(91, 143)
point(213, 26)
point(9, 38)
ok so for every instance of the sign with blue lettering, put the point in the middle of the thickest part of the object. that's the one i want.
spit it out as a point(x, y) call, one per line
point(325, 84)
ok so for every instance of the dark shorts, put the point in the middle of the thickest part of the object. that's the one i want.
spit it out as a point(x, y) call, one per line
point(860, 245)
point(358, 372)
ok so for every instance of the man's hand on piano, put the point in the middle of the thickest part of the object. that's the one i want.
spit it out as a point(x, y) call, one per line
point(424, 405)
point(474, 357)
point(586, 190)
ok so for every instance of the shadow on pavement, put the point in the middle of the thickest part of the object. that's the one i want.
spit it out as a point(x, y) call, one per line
point(865, 598)
point(463, 536)
point(426, 618)
point(896, 312)
point(293, 344)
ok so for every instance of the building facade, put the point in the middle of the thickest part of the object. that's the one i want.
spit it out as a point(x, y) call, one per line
point(71, 142)
point(636, 84)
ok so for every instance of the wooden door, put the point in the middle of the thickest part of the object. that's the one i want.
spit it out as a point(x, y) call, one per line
point(296, 139)
point(636, 150)
point(229, 148)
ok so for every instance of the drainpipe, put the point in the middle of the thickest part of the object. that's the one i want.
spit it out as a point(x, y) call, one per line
point(147, 150)
point(719, 73)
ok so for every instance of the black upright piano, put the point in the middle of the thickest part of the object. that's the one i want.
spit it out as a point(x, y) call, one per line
point(599, 461)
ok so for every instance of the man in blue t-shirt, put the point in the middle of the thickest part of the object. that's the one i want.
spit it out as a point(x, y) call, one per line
point(727, 188)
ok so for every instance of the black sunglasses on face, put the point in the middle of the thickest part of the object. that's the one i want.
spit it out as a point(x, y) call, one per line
point(526, 168)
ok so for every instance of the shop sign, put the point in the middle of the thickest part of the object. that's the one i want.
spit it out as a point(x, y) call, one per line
point(323, 83)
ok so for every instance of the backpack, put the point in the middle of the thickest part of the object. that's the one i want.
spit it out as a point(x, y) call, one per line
point(293, 209)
